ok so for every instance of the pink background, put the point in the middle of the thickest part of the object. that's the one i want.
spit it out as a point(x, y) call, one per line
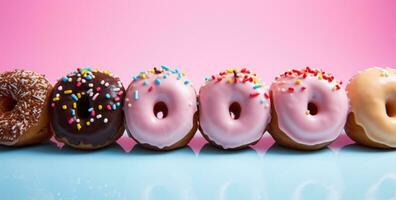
point(200, 37)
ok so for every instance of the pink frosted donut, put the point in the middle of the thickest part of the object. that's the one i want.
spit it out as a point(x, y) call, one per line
point(234, 109)
point(309, 109)
point(161, 109)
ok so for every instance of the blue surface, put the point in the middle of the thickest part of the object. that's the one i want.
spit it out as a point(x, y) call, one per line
point(266, 171)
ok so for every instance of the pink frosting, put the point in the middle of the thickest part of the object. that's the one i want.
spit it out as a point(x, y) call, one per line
point(291, 94)
point(215, 98)
point(168, 86)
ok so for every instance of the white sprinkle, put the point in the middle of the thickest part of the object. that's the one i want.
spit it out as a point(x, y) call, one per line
point(102, 82)
point(98, 116)
point(34, 82)
point(12, 85)
point(40, 99)
point(92, 120)
point(60, 88)
point(107, 84)
point(136, 94)
point(90, 85)
point(105, 120)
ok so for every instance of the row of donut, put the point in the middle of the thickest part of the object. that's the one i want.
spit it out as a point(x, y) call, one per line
point(304, 109)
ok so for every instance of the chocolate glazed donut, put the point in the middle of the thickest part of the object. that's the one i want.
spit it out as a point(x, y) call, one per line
point(86, 109)
point(24, 97)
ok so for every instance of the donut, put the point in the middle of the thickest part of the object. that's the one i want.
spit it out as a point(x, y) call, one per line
point(24, 97)
point(234, 109)
point(86, 109)
point(161, 109)
point(372, 118)
point(309, 109)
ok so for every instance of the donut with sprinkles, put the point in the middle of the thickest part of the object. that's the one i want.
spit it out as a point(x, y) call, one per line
point(86, 109)
point(309, 109)
point(161, 110)
point(234, 109)
point(24, 98)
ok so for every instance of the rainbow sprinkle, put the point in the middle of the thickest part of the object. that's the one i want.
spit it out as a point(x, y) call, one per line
point(157, 81)
point(160, 74)
point(301, 74)
point(234, 76)
point(86, 76)
point(136, 94)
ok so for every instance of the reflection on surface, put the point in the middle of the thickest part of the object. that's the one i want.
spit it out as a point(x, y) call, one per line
point(373, 171)
point(198, 171)
point(303, 175)
point(224, 174)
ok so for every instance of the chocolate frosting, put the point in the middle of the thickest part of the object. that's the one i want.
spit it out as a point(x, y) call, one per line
point(86, 107)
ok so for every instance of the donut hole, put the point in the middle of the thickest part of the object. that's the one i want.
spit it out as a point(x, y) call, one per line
point(82, 107)
point(390, 107)
point(235, 110)
point(160, 110)
point(312, 108)
point(7, 103)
